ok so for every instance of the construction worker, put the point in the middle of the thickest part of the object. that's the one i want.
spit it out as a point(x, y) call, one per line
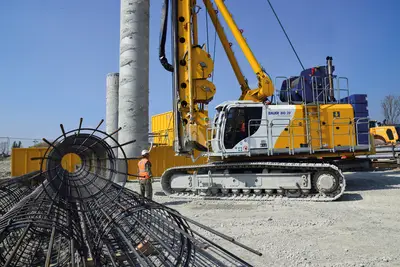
point(145, 175)
point(243, 127)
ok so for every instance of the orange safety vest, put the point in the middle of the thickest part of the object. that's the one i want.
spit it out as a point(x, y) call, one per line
point(142, 169)
point(243, 128)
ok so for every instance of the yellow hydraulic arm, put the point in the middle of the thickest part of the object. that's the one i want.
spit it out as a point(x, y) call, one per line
point(265, 85)
point(227, 47)
point(192, 66)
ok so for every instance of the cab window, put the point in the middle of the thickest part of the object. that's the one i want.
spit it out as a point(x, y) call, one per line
point(237, 124)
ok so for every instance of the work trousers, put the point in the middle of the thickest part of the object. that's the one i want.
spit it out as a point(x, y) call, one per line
point(146, 187)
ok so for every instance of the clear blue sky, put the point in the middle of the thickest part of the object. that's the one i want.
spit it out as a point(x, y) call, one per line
point(54, 55)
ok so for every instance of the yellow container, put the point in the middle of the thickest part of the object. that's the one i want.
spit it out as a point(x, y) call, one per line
point(71, 162)
point(22, 163)
point(162, 121)
point(161, 157)
point(162, 128)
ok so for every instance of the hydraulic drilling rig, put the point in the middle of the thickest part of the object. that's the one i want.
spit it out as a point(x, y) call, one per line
point(271, 142)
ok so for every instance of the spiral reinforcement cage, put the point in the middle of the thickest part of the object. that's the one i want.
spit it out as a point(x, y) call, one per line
point(80, 216)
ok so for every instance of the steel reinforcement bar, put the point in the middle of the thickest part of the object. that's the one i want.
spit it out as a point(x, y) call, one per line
point(14, 189)
point(135, 231)
point(81, 217)
point(36, 232)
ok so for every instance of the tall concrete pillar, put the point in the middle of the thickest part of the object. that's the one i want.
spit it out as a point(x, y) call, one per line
point(112, 84)
point(133, 106)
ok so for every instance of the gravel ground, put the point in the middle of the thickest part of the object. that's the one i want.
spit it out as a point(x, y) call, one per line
point(361, 229)
point(5, 168)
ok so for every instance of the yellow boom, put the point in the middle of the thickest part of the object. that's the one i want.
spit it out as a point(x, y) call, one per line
point(265, 85)
point(193, 67)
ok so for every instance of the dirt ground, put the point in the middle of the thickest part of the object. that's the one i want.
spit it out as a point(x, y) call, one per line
point(361, 229)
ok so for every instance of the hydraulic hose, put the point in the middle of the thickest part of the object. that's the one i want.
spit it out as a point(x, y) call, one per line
point(163, 37)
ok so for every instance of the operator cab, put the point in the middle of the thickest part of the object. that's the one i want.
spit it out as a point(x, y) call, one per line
point(234, 122)
point(240, 123)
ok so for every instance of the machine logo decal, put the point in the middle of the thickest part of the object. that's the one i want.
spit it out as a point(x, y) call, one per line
point(280, 113)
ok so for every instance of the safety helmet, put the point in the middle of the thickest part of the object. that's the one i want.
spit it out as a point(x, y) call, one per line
point(145, 152)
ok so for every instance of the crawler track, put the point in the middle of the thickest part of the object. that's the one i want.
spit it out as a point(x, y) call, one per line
point(300, 195)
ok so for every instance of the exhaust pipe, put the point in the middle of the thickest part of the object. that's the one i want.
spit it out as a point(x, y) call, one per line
point(330, 78)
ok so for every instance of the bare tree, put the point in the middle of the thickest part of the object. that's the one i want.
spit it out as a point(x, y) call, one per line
point(391, 109)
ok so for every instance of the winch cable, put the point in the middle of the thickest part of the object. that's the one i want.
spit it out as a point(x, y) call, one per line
point(208, 43)
point(283, 29)
point(214, 52)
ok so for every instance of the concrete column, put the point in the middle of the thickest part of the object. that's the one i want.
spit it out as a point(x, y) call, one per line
point(112, 83)
point(133, 115)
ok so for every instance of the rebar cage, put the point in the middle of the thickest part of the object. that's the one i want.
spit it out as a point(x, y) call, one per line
point(80, 216)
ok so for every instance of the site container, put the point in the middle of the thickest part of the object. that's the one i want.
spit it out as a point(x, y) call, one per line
point(161, 157)
point(162, 129)
point(22, 163)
